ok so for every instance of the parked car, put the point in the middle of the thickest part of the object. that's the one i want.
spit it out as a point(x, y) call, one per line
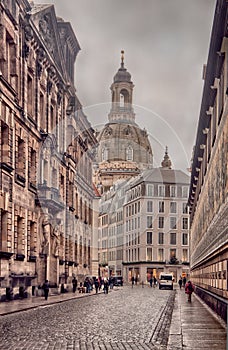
point(117, 280)
point(165, 280)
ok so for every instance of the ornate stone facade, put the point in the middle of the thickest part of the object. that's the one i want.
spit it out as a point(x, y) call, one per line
point(208, 197)
point(46, 191)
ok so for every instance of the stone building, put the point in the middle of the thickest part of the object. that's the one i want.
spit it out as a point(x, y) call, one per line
point(46, 191)
point(124, 149)
point(208, 196)
point(143, 227)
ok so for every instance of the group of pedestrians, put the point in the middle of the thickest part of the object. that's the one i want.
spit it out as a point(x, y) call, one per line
point(187, 286)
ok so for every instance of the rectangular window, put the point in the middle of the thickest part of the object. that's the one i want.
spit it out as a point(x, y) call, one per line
point(161, 222)
point(149, 206)
point(173, 222)
point(184, 208)
point(172, 254)
point(160, 254)
point(184, 223)
point(184, 239)
point(173, 238)
point(185, 255)
point(172, 191)
point(184, 192)
point(149, 237)
point(149, 254)
point(161, 191)
point(160, 237)
point(173, 207)
point(161, 207)
point(149, 221)
point(150, 190)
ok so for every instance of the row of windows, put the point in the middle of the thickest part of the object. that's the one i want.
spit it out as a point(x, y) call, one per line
point(132, 209)
point(172, 239)
point(158, 255)
point(167, 191)
point(173, 206)
point(172, 222)
point(151, 254)
point(128, 153)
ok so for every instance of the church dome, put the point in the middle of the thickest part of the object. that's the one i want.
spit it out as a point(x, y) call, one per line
point(122, 76)
point(125, 142)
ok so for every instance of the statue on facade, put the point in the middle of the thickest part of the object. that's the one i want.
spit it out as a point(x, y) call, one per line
point(46, 229)
point(55, 234)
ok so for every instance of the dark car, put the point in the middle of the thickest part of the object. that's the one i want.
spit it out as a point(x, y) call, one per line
point(117, 280)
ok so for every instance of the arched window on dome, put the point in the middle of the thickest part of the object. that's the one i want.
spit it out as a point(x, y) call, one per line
point(124, 98)
point(129, 153)
point(104, 154)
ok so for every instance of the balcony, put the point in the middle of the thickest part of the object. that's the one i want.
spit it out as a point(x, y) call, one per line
point(49, 197)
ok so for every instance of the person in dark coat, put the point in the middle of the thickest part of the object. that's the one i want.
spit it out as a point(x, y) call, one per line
point(96, 285)
point(189, 289)
point(46, 289)
point(132, 281)
point(74, 283)
point(180, 282)
point(106, 287)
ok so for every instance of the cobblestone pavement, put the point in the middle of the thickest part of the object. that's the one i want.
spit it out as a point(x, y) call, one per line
point(127, 318)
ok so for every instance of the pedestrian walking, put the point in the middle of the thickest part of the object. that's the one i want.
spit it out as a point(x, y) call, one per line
point(151, 281)
point(189, 289)
point(46, 289)
point(105, 287)
point(184, 281)
point(155, 281)
point(96, 285)
point(74, 283)
point(136, 280)
point(132, 281)
point(180, 282)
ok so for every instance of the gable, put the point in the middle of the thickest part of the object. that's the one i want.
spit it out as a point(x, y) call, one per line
point(45, 21)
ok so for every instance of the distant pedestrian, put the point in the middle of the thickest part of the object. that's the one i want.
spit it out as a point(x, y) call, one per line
point(151, 281)
point(46, 289)
point(142, 284)
point(189, 289)
point(136, 280)
point(105, 287)
point(96, 285)
point(74, 283)
point(132, 281)
point(184, 281)
point(155, 281)
point(180, 282)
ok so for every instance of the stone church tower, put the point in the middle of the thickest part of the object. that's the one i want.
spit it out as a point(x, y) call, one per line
point(124, 149)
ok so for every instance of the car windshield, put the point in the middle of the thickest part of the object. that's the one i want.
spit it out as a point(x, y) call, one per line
point(166, 277)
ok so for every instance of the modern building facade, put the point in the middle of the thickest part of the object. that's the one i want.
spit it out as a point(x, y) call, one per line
point(208, 197)
point(46, 191)
point(124, 149)
point(144, 220)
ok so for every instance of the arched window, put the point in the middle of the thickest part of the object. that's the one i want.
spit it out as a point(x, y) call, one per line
point(104, 154)
point(129, 153)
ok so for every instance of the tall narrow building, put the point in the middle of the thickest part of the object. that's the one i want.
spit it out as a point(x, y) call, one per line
point(124, 148)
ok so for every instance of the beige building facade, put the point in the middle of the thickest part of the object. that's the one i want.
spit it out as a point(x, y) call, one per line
point(208, 198)
point(46, 192)
point(144, 225)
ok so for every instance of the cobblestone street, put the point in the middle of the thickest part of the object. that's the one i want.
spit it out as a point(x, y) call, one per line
point(126, 318)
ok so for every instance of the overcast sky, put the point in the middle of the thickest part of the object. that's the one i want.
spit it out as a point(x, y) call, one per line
point(166, 43)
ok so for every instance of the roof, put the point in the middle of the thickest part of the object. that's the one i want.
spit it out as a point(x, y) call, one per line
point(164, 175)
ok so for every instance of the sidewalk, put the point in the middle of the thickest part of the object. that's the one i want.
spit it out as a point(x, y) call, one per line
point(9, 307)
point(195, 326)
